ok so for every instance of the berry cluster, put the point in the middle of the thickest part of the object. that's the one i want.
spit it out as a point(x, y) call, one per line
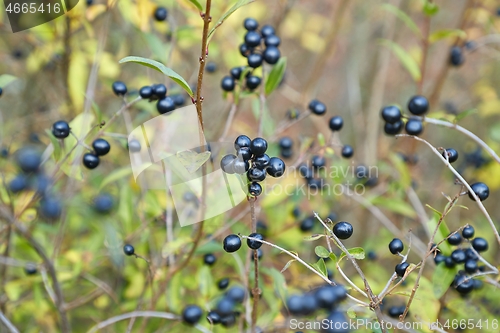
point(32, 177)
point(418, 106)
point(466, 257)
point(256, 54)
point(251, 158)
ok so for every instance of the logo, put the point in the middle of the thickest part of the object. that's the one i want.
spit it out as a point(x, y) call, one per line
point(26, 14)
point(165, 153)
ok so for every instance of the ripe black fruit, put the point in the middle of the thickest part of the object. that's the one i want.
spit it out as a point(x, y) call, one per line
point(396, 246)
point(213, 318)
point(252, 39)
point(455, 239)
point(343, 230)
point(253, 244)
point(250, 24)
point(254, 189)
point(244, 49)
point(276, 167)
point(414, 126)
point(227, 83)
point(165, 105)
point(391, 114)
point(400, 269)
point(256, 174)
point(396, 311)
point(160, 90)
point(481, 190)
point(223, 283)
point(393, 129)
point(253, 82)
point(258, 146)
point(456, 56)
point(286, 143)
point(161, 14)
point(341, 324)
point(211, 67)
point(439, 258)
point(29, 160)
point(60, 129)
point(272, 40)
point(90, 161)
point(30, 269)
point(468, 232)
point(470, 266)
point(209, 259)
point(101, 147)
point(191, 314)
point(480, 244)
point(452, 154)
point(463, 284)
point(418, 105)
point(236, 294)
point(18, 184)
point(146, 92)
point(326, 297)
point(236, 72)
point(128, 250)
point(255, 60)
point(318, 162)
point(103, 203)
point(458, 256)
point(272, 55)
point(336, 123)
point(50, 208)
point(267, 31)
point(231, 243)
point(119, 88)
point(307, 224)
point(261, 161)
point(242, 141)
point(244, 154)
point(227, 164)
point(347, 151)
point(317, 107)
point(179, 99)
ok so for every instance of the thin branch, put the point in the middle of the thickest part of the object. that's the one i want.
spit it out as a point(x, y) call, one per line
point(462, 180)
point(8, 324)
point(255, 290)
point(112, 320)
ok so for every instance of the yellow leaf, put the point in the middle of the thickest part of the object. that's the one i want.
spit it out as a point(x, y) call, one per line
point(78, 74)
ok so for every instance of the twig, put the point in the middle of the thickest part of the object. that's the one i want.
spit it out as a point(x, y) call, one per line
point(229, 121)
point(262, 99)
point(462, 180)
point(8, 324)
point(349, 281)
point(255, 290)
point(112, 320)
point(466, 132)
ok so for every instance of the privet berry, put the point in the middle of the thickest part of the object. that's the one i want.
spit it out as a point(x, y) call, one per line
point(318, 162)
point(343, 230)
point(250, 24)
point(480, 244)
point(468, 232)
point(414, 126)
point(128, 250)
point(146, 92)
point(252, 39)
point(236, 294)
point(29, 160)
point(254, 189)
point(213, 318)
point(253, 244)
point(255, 60)
point(336, 123)
point(286, 143)
point(90, 161)
point(400, 269)
point(165, 105)
point(317, 107)
point(119, 88)
point(455, 239)
point(227, 83)
point(396, 246)
point(393, 129)
point(253, 82)
point(159, 90)
point(272, 55)
point(452, 154)
point(223, 283)
point(276, 167)
point(232, 243)
point(50, 208)
point(456, 56)
point(481, 190)
point(30, 269)
point(418, 105)
point(211, 67)
point(161, 14)
point(347, 151)
point(101, 147)
point(272, 40)
point(134, 146)
point(236, 72)
point(458, 256)
point(191, 314)
point(307, 224)
point(267, 31)
point(391, 114)
point(209, 259)
point(60, 129)
point(103, 203)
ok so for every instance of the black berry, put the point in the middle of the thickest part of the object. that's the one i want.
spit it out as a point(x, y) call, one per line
point(336, 123)
point(256, 174)
point(252, 39)
point(179, 100)
point(161, 14)
point(391, 114)
point(261, 161)
point(146, 92)
point(236, 294)
point(317, 107)
point(258, 146)
point(439, 258)
point(396, 246)
point(50, 208)
point(240, 166)
point(343, 230)
point(30, 269)
point(250, 24)
point(400, 269)
point(452, 154)
point(60, 129)
point(103, 203)
point(307, 224)
point(267, 31)
point(209, 259)
point(211, 67)
point(29, 160)
point(191, 314)
point(232, 243)
point(223, 283)
point(213, 318)
point(347, 151)
point(272, 40)
point(468, 232)
point(128, 250)
point(458, 256)
point(18, 184)
point(255, 60)
point(286, 143)
point(244, 49)
point(470, 266)
point(456, 56)
point(101, 147)
point(119, 88)
point(481, 190)
point(227, 83)
point(227, 163)
point(165, 105)
point(159, 90)
point(393, 129)
point(326, 297)
point(272, 55)
point(253, 82)
point(276, 167)
point(236, 72)
point(480, 244)
point(418, 105)
point(254, 245)
point(255, 189)
point(90, 161)
point(463, 284)
point(455, 239)
point(244, 154)
point(317, 162)
point(414, 126)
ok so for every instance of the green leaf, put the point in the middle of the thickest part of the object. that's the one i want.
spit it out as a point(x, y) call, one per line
point(196, 4)
point(116, 175)
point(238, 4)
point(160, 68)
point(403, 170)
point(333, 257)
point(205, 281)
point(430, 8)
point(322, 252)
point(357, 253)
point(287, 265)
point(191, 160)
point(321, 267)
point(442, 278)
point(464, 114)
point(403, 17)
point(275, 76)
point(321, 139)
point(396, 205)
point(55, 143)
point(446, 33)
point(313, 237)
point(5, 79)
point(406, 60)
